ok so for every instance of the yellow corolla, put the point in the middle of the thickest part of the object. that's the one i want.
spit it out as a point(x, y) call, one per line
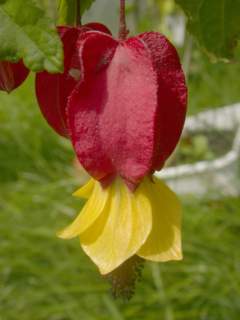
point(116, 223)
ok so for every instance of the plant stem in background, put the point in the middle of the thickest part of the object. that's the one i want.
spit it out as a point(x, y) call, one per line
point(123, 32)
point(78, 13)
point(187, 55)
point(136, 14)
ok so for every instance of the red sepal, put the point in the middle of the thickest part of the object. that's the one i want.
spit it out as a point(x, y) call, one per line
point(53, 90)
point(97, 27)
point(172, 96)
point(85, 104)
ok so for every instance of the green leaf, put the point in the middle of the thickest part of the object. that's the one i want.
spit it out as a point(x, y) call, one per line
point(26, 33)
point(215, 24)
point(67, 10)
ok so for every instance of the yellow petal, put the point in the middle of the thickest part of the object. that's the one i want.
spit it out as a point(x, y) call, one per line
point(85, 191)
point(164, 241)
point(90, 212)
point(121, 229)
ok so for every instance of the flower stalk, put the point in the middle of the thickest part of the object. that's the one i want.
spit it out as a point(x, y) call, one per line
point(123, 31)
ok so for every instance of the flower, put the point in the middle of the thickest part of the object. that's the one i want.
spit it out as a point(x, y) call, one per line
point(116, 223)
point(12, 75)
point(124, 119)
point(53, 90)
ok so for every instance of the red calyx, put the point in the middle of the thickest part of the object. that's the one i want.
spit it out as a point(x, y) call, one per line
point(127, 115)
point(53, 90)
point(12, 75)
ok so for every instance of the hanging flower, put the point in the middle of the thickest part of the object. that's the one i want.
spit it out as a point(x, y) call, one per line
point(125, 118)
point(53, 90)
point(12, 75)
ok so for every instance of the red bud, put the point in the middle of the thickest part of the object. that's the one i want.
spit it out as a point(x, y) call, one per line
point(12, 75)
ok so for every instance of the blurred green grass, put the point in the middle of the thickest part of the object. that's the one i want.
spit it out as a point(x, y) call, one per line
point(212, 85)
point(45, 278)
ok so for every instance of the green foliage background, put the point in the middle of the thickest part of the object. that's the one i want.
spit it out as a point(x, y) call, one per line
point(215, 24)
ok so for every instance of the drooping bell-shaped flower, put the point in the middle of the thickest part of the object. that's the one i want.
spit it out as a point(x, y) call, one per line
point(53, 90)
point(12, 75)
point(125, 119)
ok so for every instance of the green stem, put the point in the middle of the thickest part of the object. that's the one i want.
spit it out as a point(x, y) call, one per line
point(78, 13)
